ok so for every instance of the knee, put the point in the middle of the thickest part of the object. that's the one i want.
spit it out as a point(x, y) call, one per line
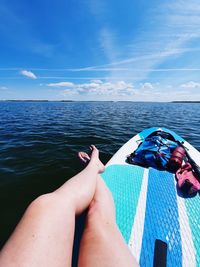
point(101, 216)
point(50, 203)
point(42, 203)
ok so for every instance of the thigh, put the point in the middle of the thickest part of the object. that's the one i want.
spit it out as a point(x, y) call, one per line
point(44, 236)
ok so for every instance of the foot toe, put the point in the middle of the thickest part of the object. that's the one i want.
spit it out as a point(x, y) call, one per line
point(84, 157)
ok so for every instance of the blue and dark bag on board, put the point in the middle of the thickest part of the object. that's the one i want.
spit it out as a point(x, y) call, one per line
point(155, 151)
point(161, 151)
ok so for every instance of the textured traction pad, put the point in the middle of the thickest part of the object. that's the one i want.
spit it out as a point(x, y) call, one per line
point(120, 181)
point(168, 216)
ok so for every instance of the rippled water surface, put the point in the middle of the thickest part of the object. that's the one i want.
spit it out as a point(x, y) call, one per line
point(39, 142)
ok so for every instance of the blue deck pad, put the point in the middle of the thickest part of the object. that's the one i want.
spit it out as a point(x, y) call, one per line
point(125, 184)
point(161, 219)
point(176, 136)
point(149, 131)
point(193, 211)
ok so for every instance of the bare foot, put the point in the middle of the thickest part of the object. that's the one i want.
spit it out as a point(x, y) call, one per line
point(92, 159)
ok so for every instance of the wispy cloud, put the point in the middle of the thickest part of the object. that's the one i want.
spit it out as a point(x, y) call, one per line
point(103, 68)
point(142, 58)
point(61, 84)
point(106, 38)
point(165, 34)
point(66, 77)
point(28, 74)
point(3, 88)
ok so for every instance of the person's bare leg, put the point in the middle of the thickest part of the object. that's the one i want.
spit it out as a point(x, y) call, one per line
point(102, 244)
point(44, 236)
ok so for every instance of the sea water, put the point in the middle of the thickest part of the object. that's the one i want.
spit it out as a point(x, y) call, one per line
point(39, 142)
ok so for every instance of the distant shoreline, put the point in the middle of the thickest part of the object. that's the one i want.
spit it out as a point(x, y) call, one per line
point(44, 100)
point(185, 101)
point(30, 100)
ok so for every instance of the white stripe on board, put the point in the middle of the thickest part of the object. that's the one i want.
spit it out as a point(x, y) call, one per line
point(188, 249)
point(135, 241)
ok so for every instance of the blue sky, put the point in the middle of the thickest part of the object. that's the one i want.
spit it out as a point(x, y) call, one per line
point(100, 50)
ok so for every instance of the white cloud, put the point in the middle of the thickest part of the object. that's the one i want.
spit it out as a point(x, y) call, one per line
point(28, 74)
point(160, 95)
point(97, 81)
point(122, 90)
point(147, 86)
point(98, 87)
point(190, 84)
point(61, 84)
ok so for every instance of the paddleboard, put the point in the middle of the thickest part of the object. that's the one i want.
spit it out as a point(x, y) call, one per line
point(149, 208)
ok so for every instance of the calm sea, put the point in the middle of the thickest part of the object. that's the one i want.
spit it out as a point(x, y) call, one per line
point(39, 142)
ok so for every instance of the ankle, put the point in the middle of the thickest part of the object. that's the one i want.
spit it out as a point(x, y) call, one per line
point(97, 164)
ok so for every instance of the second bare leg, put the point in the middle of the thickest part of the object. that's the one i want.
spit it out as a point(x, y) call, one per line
point(102, 243)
